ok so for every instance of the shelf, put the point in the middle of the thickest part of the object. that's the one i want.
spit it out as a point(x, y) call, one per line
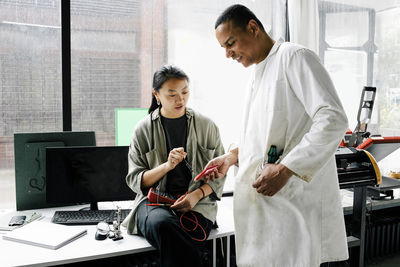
point(353, 241)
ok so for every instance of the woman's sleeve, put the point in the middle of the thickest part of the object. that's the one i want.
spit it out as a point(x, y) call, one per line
point(137, 165)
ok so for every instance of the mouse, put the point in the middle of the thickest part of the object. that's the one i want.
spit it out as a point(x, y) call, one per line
point(103, 229)
point(100, 236)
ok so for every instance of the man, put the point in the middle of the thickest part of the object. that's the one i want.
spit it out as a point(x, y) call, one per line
point(287, 206)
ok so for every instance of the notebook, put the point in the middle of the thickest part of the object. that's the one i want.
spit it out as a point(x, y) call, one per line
point(45, 234)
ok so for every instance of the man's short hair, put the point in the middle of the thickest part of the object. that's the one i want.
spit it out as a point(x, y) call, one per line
point(239, 15)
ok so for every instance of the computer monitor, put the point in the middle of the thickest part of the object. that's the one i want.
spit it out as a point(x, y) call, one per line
point(30, 163)
point(77, 175)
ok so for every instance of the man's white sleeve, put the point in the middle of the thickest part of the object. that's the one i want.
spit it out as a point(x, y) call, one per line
point(312, 85)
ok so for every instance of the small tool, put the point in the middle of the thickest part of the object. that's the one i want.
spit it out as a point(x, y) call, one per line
point(272, 155)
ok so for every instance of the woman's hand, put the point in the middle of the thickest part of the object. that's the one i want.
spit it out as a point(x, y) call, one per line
point(175, 156)
point(152, 176)
point(186, 202)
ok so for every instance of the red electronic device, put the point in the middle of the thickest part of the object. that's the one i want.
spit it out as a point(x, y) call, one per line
point(205, 172)
point(156, 196)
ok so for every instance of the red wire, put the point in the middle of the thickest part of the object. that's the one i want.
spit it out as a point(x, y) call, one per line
point(196, 222)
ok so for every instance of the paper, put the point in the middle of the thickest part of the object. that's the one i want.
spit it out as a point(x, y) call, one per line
point(5, 219)
point(44, 234)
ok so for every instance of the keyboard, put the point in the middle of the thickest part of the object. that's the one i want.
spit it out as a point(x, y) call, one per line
point(84, 217)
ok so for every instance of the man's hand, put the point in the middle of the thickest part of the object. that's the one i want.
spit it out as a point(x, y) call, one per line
point(272, 178)
point(223, 162)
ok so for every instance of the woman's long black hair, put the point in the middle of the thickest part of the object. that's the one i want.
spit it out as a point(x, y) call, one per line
point(160, 77)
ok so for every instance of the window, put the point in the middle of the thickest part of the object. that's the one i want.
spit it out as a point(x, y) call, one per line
point(115, 48)
point(359, 45)
point(347, 48)
point(30, 78)
point(388, 68)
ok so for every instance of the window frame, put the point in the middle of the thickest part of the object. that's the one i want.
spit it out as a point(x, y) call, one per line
point(369, 47)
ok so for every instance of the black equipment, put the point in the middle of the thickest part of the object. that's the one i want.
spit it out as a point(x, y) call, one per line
point(356, 167)
point(363, 117)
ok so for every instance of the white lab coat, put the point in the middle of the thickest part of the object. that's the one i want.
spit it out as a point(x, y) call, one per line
point(292, 104)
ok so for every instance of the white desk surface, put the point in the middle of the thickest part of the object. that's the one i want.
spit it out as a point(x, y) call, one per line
point(87, 248)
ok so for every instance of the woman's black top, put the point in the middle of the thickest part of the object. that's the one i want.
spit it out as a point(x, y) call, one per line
point(176, 135)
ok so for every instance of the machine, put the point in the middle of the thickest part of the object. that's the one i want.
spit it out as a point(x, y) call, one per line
point(356, 167)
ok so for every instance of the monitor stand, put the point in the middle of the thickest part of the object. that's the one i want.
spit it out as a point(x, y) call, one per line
point(93, 206)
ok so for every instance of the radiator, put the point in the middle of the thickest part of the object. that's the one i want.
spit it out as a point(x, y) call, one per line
point(382, 233)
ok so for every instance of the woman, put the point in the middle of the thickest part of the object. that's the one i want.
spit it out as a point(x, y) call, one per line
point(168, 148)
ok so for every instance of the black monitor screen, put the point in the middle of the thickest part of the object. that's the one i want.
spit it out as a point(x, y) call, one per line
point(87, 174)
point(30, 163)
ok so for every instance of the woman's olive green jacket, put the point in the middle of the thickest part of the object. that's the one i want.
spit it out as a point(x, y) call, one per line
point(148, 150)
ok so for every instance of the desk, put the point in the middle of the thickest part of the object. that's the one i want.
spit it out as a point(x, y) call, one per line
point(87, 248)
point(385, 189)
